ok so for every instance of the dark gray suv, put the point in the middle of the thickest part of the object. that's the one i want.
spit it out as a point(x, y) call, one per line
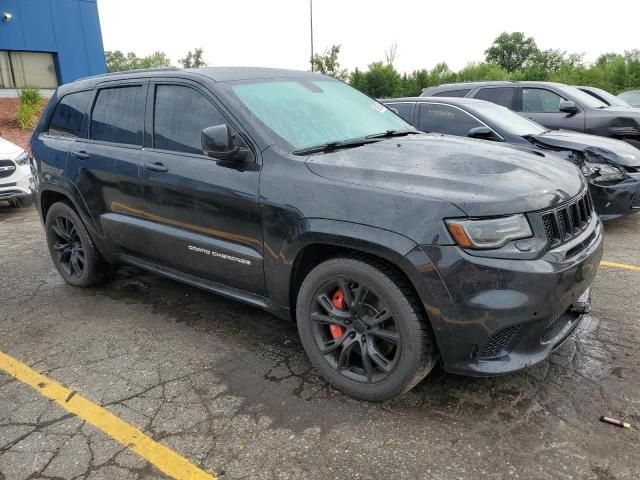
point(554, 105)
point(294, 192)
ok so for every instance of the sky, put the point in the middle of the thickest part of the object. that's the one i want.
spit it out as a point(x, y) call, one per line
point(275, 33)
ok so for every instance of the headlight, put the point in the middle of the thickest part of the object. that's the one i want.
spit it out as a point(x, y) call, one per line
point(489, 232)
point(23, 159)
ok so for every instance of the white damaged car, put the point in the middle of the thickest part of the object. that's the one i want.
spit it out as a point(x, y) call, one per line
point(15, 174)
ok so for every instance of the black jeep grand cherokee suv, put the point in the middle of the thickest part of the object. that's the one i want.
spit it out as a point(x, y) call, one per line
point(295, 193)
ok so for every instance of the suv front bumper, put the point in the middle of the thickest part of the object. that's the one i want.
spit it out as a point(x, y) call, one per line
point(492, 316)
point(617, 200)
point(17, 185)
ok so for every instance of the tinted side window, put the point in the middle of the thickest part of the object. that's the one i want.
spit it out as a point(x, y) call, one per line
point(68, 117)
point(181, 113)
point(539, 100)
point(445, 119)
point(501, 95)
point(118, 115)
point(453, 93)
point(405, 110)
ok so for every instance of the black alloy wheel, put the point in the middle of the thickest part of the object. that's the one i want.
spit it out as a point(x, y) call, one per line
point(355, 331)
point(68, 246)
point(73, 252)
point(364, 328)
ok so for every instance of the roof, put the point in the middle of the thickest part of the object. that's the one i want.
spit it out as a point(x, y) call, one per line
point(226, 74)
point(496, 83)
point(217, 74)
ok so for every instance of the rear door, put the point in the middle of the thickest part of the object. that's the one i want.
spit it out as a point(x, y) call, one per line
point(203, 213)
point(542, 105)
point(447, 119)
point(68, 122)
point(505, 96)
point(104, 166)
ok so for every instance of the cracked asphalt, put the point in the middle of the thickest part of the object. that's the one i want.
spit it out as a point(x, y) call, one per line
point(229, 388)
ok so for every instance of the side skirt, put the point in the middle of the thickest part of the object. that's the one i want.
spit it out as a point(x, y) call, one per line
point(214, 287)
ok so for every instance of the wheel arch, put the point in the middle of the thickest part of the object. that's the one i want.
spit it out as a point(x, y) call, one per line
point(317, 240)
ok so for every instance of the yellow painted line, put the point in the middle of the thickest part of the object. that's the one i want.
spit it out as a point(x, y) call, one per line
point(620, 265)
point(165, 459)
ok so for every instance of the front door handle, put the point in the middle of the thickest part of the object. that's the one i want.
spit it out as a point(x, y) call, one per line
point(156, 166)
point(82, 155)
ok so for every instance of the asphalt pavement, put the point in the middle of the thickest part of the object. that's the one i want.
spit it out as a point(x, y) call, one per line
point(228, 388)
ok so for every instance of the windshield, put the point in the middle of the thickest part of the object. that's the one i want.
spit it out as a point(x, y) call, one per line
point(505, 119)
point(306, 113)
point(581, 97)
point(610, 98)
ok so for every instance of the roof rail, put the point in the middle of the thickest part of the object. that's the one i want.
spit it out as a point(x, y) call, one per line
point(139, 70)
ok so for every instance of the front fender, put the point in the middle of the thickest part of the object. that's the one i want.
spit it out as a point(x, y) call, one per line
point(397, 249)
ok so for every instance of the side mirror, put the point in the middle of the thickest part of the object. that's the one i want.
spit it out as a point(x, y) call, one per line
point(568, 106)
point(218, 142)
point(483, 133)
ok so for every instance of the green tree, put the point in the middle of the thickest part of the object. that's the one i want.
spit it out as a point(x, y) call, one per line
point(379, 81)
point(328, 63)
point(193, 59)
point(511, 51)
point(117, 61)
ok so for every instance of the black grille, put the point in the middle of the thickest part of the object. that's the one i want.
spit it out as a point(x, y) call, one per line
point(569, 220)
point(499, 342)
point(635, 201)
point(7, 167)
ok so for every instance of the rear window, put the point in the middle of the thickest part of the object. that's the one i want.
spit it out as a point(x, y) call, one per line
point(453, 93)
point(499, 95)
point(118, 115)
point(68, 117)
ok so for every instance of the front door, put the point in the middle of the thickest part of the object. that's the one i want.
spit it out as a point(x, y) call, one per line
point(543, 106)
point(204, 214)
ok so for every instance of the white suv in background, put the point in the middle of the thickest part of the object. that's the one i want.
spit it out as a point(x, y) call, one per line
point(15, 174)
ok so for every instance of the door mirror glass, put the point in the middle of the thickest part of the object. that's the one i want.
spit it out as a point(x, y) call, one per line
point(482, 133)
point(218, 142)
point(568, 106)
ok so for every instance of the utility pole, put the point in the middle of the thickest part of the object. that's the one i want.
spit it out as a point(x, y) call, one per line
point(311, 21)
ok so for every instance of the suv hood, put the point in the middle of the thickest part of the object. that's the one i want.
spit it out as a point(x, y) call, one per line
point(9, 150)
point(479, 177)
point(596, 149)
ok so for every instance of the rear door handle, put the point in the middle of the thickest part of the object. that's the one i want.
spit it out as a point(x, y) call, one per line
point(82, 155)
point(156, 166)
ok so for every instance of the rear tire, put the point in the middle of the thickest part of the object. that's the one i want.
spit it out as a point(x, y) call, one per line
point(73, 252)
point(379, 343)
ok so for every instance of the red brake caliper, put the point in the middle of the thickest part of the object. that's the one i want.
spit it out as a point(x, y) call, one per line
point(338, 302)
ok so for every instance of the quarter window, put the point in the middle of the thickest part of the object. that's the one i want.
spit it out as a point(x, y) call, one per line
point(405, 110)
point(500, 95)
point(68, 117)
point(181, 113)
point(445, 119)
point(539, 100)
point(118, 115)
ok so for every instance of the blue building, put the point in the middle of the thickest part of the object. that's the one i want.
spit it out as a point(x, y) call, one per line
point(45, 43)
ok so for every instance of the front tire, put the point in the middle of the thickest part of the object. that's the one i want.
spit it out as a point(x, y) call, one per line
point(363, 328)
point(73, 252)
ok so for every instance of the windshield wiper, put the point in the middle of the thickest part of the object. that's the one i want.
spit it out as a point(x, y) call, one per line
point(392, 133)
point(333, 146)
